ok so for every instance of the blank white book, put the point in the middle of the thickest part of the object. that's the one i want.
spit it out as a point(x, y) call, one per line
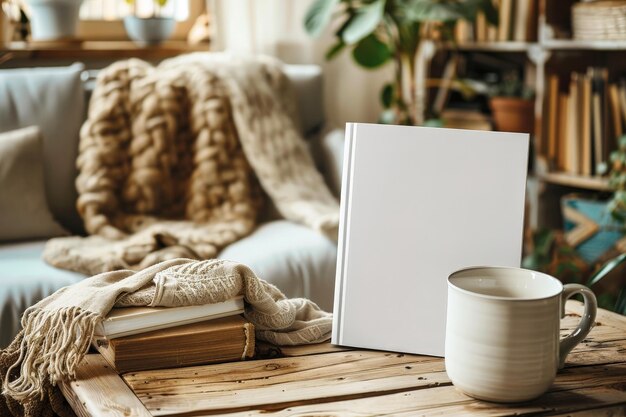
point(418, 203)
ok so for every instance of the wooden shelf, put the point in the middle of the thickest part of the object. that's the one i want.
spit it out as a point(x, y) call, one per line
point(577, 181)
point(573, 44)
point(508, 46)
point(97, 50)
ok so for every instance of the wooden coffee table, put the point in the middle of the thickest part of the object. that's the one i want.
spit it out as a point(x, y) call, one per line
point(323, 380)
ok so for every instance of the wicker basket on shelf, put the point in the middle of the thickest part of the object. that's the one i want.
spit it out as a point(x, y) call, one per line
point(599, 20)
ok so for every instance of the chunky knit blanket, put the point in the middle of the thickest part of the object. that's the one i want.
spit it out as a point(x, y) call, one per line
point(58, 330)
point(169, 159)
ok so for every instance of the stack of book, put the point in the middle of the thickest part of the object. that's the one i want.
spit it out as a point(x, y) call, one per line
point(517, 21)
point(586, 114)
point(143, 338)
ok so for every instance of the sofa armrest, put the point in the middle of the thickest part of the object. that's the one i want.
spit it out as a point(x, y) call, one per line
point(330, 154)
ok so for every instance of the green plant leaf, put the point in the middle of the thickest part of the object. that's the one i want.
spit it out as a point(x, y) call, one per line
point(386, 95)
point(531, 261)
point(318, 16)
point(429, 10)
point(371, 52)
point(606, 269)
point(543, 241)
point(433, 123)
point(490, 11)
point(449, 10)
point(605, 301)
point(334, 50)
point(365, 21)
point(620, 304)
point(408, 37)
point(387, 117)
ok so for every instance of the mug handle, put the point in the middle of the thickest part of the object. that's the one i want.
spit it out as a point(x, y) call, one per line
point(586, 322)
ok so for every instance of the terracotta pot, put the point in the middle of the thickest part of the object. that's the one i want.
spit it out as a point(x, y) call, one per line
point(511, 114)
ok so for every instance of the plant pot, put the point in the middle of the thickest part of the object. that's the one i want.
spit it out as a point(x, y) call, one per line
point(54, 19)
point(149, 31)
point(589, 227)
point(511, 114)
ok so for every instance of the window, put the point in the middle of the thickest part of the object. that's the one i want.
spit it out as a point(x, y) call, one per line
point(117, 9)
point(102, 19)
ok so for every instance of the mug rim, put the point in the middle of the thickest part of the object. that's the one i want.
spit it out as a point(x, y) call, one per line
point(503, 298)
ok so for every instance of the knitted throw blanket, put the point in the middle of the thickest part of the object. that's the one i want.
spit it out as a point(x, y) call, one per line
point(58, 330)
point(169, 159)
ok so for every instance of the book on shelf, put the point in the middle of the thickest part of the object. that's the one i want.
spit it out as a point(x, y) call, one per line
point(226, 339)
point(517, 21)
point(134, 320)
point(466, 119)
point(553, 97)
point(585, 116)
point(504, 20)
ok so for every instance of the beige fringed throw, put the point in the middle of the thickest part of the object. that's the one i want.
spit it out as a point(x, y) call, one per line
point(58, 330)
point(168, 158)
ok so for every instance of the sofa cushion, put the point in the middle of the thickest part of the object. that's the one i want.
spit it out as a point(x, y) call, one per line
point(307, 83)
point(298, 260)
point(25, 213)
point(24, 280)
point(53, 99)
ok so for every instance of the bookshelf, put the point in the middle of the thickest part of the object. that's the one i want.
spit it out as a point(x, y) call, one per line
point(550, 51)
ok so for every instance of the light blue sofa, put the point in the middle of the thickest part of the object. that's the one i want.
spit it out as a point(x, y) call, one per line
point(298, 260)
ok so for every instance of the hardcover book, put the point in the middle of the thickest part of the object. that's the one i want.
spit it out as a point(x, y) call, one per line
point(418, 203)
point(134, 320)
point(221, 340)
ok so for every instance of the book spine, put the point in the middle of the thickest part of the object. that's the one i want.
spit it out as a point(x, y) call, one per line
point(587, 165)
point(553, 114)
point(572, 136)
point(615, 111)
point(344, 226)
point(504, 24)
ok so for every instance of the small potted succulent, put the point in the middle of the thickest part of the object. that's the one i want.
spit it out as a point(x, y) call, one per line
point(512, 104)
point(150, 30)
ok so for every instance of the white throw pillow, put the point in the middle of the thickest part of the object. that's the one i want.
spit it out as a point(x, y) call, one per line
point(24, 212)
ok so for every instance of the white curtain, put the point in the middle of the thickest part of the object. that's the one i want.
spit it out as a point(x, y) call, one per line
point(274, 27)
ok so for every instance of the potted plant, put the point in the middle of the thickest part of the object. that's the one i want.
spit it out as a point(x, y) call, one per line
point(150, 30)
point(512, 105)
point(617, 182)
point(54, 20)
point(552, 254)
point(380, 31)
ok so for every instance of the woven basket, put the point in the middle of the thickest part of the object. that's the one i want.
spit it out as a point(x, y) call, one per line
point(599, 20)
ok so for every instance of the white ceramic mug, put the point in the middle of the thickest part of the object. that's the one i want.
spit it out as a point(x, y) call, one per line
point(502, 331)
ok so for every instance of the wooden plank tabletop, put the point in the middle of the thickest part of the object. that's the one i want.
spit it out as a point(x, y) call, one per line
point(324, 380)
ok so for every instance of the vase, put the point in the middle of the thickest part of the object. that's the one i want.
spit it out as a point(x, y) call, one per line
point(149, 31)
point(54, 19)
point(512, 114)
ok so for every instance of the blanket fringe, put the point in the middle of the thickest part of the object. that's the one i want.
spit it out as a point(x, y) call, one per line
point(55, 342)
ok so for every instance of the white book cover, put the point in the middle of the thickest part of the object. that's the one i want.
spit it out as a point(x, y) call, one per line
point(418, 203)
point(128, 321)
